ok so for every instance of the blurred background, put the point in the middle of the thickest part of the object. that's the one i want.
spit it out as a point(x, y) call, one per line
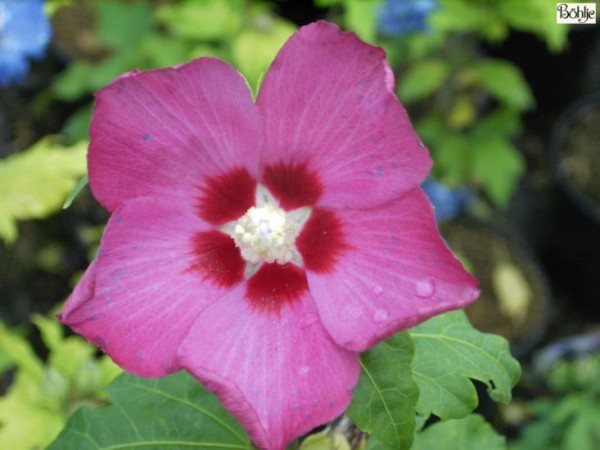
point(506, 99)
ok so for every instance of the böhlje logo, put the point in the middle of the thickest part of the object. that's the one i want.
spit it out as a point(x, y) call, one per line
point(576, 13)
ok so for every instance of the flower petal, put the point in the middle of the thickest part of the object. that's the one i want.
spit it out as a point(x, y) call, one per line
point(279, 375)
point(143, 292)
point(164, 131)
point(328, 103)
point(396, 273)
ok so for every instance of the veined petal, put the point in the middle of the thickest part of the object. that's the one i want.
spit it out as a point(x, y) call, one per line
point(396, 272)
point(279, 374)
point(139, 298)
point(328, 105)
point(164, 132)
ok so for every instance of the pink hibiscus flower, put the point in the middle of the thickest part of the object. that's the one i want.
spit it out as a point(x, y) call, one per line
point(262, 245)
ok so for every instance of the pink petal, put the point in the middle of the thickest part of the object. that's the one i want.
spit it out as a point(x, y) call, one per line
point(396, 273)
point(163, 131)
point(328, 103)
point(279, 374)
point(83, 292)
point(140, 297)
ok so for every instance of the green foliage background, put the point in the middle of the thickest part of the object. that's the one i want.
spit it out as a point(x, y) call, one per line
point(467, 107)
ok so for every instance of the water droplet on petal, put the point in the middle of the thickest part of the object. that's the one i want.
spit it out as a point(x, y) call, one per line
point(377, 290)
point(381, 315)
point(303, 370)
point(425, 288)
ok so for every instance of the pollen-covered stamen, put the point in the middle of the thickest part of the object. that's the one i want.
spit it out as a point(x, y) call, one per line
point(266, 234)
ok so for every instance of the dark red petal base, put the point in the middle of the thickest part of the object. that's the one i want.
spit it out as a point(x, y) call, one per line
point(321, 241)
point(217, 259)
point(228, 196)
point(276, 285)
point(294, 185)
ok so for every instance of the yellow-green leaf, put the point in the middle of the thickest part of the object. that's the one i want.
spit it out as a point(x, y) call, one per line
point(34, 183)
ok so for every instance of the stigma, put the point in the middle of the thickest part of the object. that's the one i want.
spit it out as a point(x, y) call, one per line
point(267, 233)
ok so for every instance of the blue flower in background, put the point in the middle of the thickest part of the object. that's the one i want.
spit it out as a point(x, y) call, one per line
point(398, 17)
point(24, 33)
point(448, 202)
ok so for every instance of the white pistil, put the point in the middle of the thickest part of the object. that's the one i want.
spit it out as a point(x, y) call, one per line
point(267, 233)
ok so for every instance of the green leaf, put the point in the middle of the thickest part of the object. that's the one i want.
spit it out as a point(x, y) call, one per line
point(374, 444)
point(422, 79)
point(37, 403)
point(534, 16)
point(83, 77)
point(468, 16)
point(76, 127)
point(449, 352)
point(361, 18)
point(469, 433)
point(159, 50)
point(202, 20)
point(171, 412)
point(73, 82)
point(75, 191)
point(325, 441)
point(122, 24)
point(501, 122)
point(452, 159)
point(254, 48)
point(34, 183)
point(582, 432)
point(28, 418)
point(385, 398)
point(505, 82)
point(497, 166)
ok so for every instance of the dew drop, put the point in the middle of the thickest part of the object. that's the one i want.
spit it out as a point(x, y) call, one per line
point(381, 315)
point(425, 288)
point(303, 370)
point(377, 290)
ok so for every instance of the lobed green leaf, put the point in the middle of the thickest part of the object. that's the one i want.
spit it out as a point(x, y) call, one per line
point(469, 433)
point(35, 182)
point(449, 353)
point(505, 82)
point(497, 166)
point(423, 79)
point(173, 412)
point(386, 395)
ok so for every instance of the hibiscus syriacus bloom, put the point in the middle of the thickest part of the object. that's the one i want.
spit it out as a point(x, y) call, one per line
point(262, 245)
